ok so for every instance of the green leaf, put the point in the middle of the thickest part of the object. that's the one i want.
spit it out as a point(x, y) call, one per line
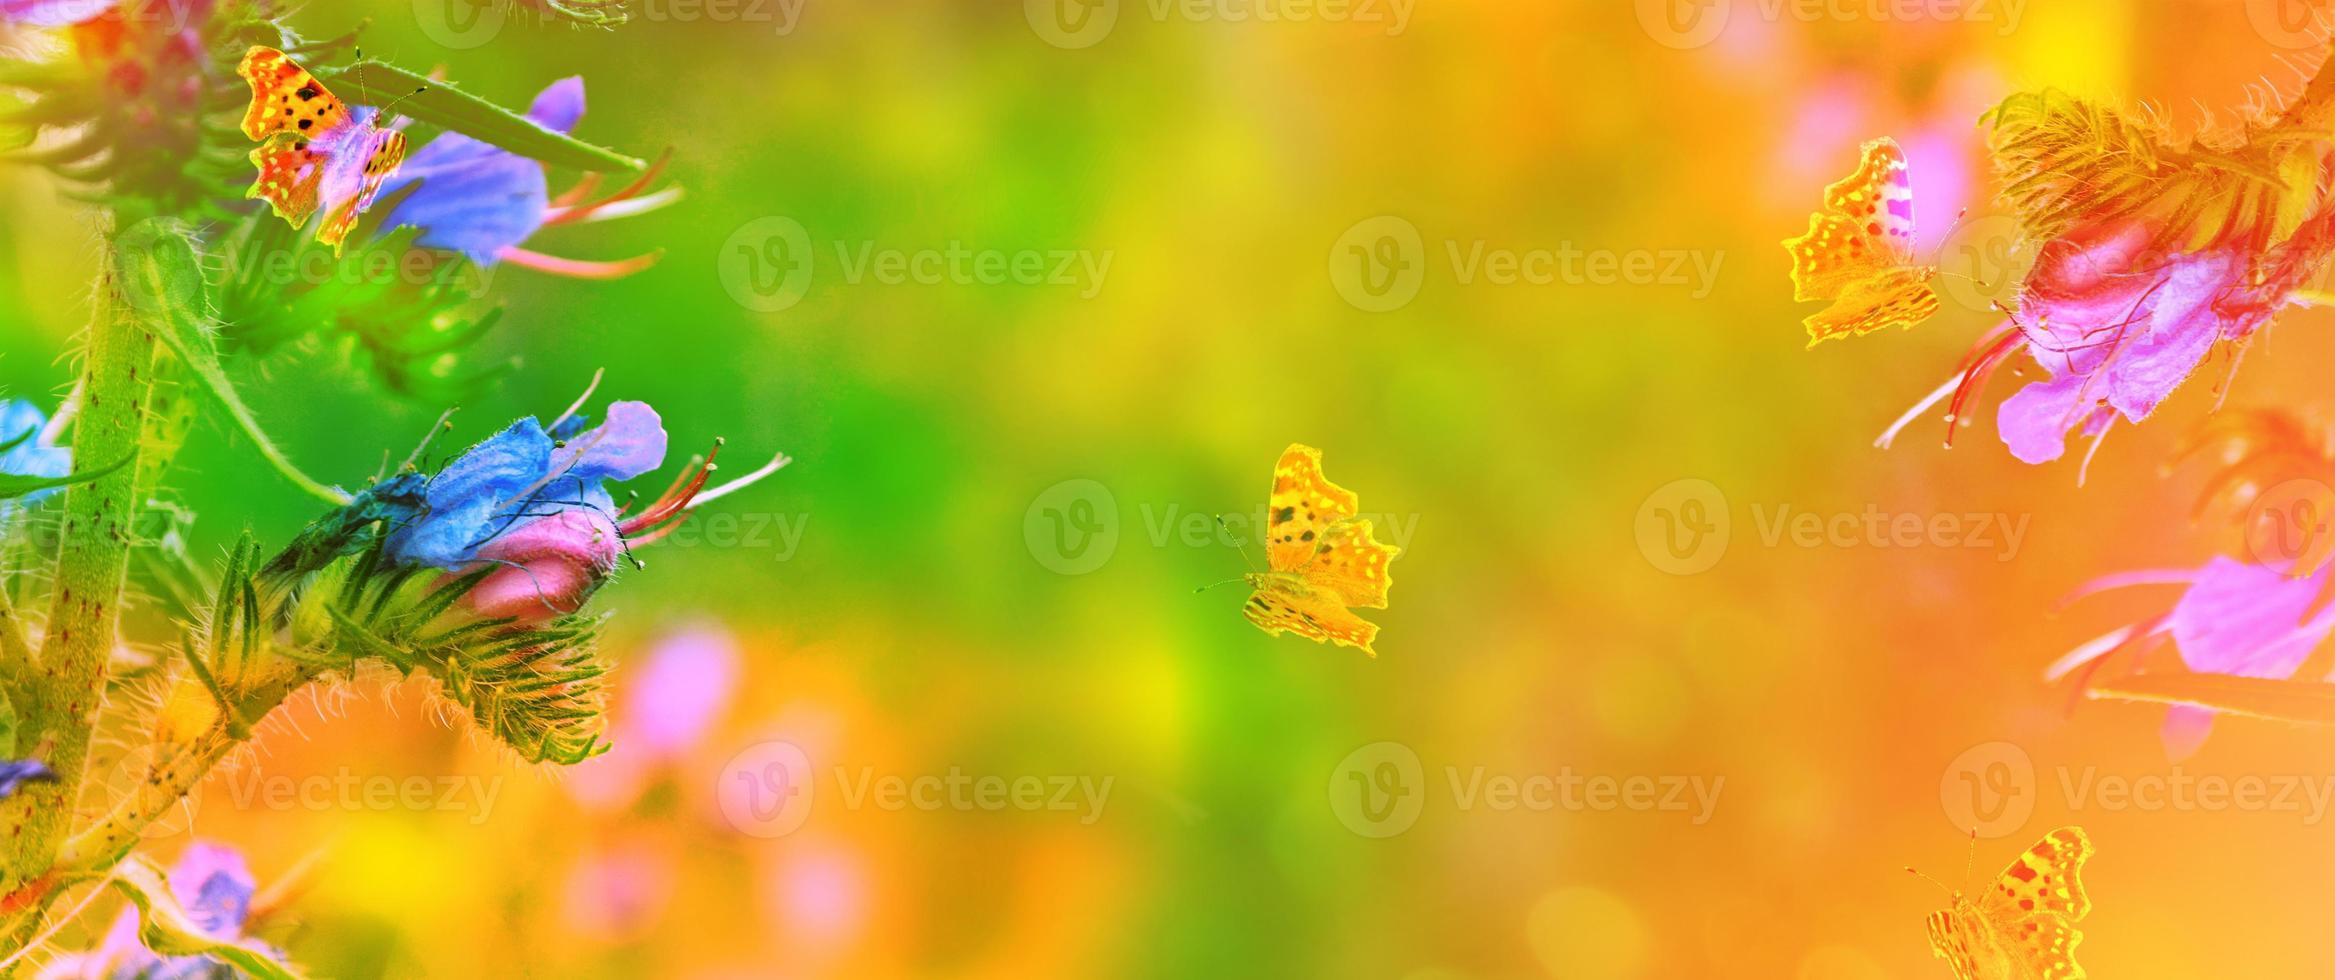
point(7, 727)
point(169, 930)
point(14, 485)
point(2306, 702)
point(163, 279)
point(377, 83)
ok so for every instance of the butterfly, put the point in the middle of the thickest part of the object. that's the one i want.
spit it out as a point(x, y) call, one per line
point(315, 149)
point(1321, 559)
point(1858, 252)
point(2023, 926)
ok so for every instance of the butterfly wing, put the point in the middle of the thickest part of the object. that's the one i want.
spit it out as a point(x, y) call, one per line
point(1302, 508)
point(1280, 606)
point(1950, 941)
point(285, 98)
point(1899, 297)
point(290, 172)
point(1349, 564)
point(2033, 906)
point(1858, 251)
point(1878, 198)
point(386, 151)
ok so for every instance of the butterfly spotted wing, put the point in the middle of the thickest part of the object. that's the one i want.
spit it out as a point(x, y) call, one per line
point(378, 157)
point(1858, 252)
point(2023, 926)
point(1322, 556)
point(315, 151)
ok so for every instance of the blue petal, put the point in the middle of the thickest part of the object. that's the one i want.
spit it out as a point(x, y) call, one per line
point(631, 442)
point(560, 105)
point(215, 886)
point(20, 423)
point(15, 773)
point(470, 201)
point(471, 494)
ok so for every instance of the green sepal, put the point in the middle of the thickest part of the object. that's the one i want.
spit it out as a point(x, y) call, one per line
point(377, 83)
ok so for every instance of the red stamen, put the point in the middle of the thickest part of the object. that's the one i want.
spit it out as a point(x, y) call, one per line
point(578, 268)
point(1978, 367)
point(672, 503)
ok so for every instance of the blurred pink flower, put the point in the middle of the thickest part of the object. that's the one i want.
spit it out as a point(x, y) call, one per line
point(2235, 618)
point(665, 707)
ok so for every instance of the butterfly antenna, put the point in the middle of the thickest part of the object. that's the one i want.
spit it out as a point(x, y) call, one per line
point(1211, 585)
point(1237, 543)
point(1941, 885)
point(400, 100)
point(1970, 860)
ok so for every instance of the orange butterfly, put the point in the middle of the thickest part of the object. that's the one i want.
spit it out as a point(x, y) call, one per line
point(2023, 927)
point(1321, 557)
point(314, 148)
point(1858, 252)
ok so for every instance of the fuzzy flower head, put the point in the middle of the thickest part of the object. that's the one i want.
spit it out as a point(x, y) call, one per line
point(2150, 256)
point(137, 104)
point(531, 506)
point(536, 506)
point(485, 202)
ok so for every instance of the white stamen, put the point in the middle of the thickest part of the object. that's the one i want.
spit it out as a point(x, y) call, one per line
point(776, 464)
point(1927, 402)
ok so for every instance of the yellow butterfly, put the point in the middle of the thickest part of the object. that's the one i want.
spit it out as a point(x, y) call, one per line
point(2023, 926)
point(1321, 557)
point(1858, 252)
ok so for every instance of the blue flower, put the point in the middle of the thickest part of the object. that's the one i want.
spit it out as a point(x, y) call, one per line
point(521, 475)
point(23, 450)
point(215, 887)
point(485, 202)
point(15, 773)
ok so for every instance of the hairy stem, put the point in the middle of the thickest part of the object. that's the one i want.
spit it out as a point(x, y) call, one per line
point(66, 687)
point(16, 660)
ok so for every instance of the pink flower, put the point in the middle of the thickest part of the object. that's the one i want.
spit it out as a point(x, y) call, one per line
point(2235, 618)
point(2118, 329)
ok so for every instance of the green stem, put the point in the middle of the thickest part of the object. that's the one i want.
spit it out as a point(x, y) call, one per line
point(67, 685)
point(15, 646)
